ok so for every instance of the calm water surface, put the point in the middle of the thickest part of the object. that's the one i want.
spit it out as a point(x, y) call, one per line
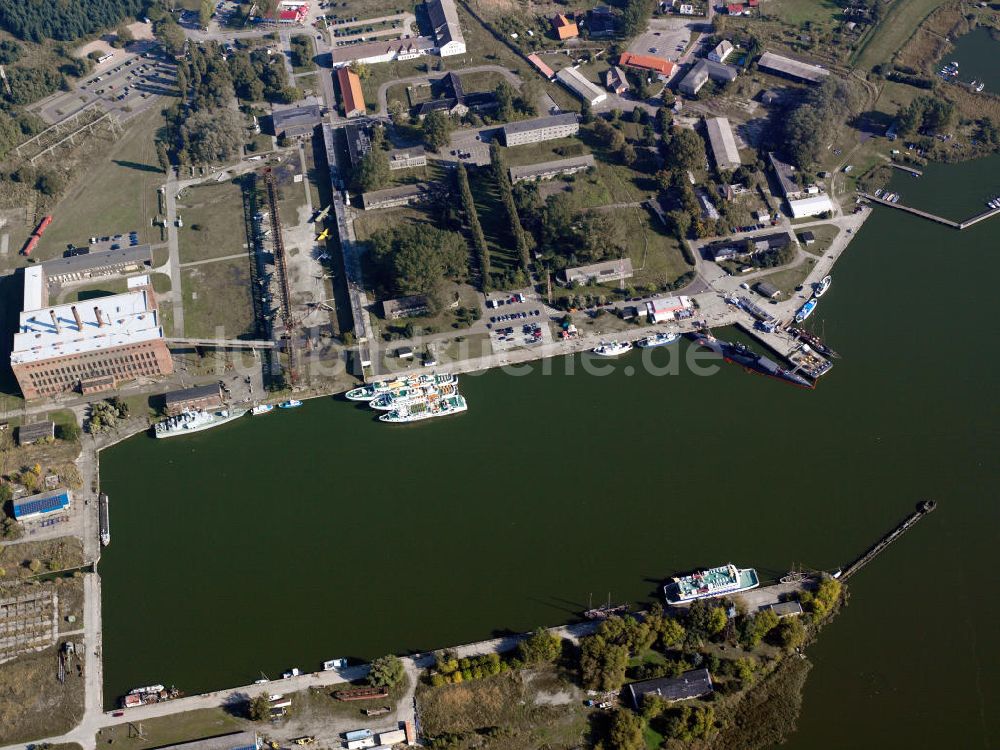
point(977, 54)
point(320, 533)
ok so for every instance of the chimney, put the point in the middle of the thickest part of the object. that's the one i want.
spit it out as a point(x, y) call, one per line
point(100, 320)
point(55, 321)
point(76, 317)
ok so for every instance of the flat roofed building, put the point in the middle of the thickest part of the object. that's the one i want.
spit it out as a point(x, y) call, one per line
point(576, 82)
point(704, 71)
point(91, 265)
point(564, 28)
point(235, 741)
point(541, 129)
point(57, 347)
point(379, 52)
point(296, 121)
point(609, 270)
point(615, 80)
point(403, 195)
point(35, 431)
point(36, 290)
point(405, 307)
point(794, 69)
point(721, 51)
point(408, 159)
point(723, 143)
point(787, 609)
point(659, 65)
point(663, 309)
point(548, 169)
point(542, 68)
point(351, 95)
point(447, 31)
point(40, 504)
point(813, 205)
point(359, 141)
point(692, 684)
point(766, 289)
point(199, 397)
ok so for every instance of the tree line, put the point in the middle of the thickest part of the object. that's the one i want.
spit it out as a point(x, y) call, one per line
point(479, 245)
point(501, 176)
point(36, 20)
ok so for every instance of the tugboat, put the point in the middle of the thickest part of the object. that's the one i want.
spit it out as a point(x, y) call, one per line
point(612, 348)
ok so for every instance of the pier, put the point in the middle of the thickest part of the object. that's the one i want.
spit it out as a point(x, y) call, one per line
point(923, 508)
point(989, 213)
point(911, 170)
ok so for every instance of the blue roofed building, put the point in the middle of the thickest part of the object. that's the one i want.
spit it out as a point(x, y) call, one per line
point(38, 505)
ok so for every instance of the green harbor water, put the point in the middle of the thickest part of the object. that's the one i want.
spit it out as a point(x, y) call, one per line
point(320, 533)
point(976, 54)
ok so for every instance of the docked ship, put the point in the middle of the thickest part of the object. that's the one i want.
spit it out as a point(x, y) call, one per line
point(262, 409)
point(152, 694)
point(103, 519)
point(806, 310)
point(814, 341)
point(612, 348)
point(370, 391)
point(749, 360)
point(604, 611)
point(432, 405)
point(707, 584)
point(822, 286)
point(658, 339)
point(291, 403)
point(392, 399)
point(188, 422)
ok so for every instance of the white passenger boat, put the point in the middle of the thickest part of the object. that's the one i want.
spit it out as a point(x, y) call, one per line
point(262, 409)
point(612, 348)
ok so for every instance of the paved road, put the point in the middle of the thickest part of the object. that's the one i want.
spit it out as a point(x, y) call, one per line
point(177, 298)
point(383, 108)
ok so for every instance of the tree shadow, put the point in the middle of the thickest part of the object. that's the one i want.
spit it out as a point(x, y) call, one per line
point(138, 166)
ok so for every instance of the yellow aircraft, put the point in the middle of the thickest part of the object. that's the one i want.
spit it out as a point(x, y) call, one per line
point(323, 236)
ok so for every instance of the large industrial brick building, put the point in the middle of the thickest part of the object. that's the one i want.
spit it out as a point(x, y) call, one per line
point(87, 346)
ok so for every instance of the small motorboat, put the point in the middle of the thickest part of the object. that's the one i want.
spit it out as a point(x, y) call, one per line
point(289, 404)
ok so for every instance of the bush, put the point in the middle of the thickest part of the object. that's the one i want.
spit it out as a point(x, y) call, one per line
point(542, 646)
point(68, 431)
point(387, 672)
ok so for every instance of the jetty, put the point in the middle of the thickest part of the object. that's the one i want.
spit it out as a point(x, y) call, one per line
point(911, 170)
point(933, 217)
point(924, 508)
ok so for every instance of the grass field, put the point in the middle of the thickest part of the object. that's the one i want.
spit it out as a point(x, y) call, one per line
point(217, 300)
point(798, 12)
point(790, 278)
point(189, 725)
point(33, 703)
point(213, 221)
point(897, 26)
point(116, 194)
point(825, 234)
point(61, 553)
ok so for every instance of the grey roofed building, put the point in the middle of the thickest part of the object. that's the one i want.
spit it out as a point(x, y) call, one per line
point(785, 174)
point(385, 51)
point(359, 141)
point(296, 121)
point(602, 22)
point(407, 158)
point(405, 307)
point(401, 196)
point(702, 72)
point(807, 237)
point(766, 289)
point(35, 431)
point(455, 84)
point(541, 129)
point(447, 31)
point(609, 270)
point(576, 82)
point(691, 684)
point(615, 80)
point(795, 69)
point(722, 142)
point(234, 741)
point(787, 609)
point(450, 105)
point(103, 263)
point(547, 169)
point(196, 397)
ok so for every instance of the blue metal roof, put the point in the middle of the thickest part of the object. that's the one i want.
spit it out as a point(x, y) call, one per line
point(42, 504)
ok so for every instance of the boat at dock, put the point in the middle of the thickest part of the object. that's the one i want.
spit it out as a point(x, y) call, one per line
point(806, 310)
point(144, 696)
point(612, 348)
point(814, 341)
point(604, 611)
point(823, 286)
point(290, 404)
point(707, 584)
point(749, 360)
point(262, 409)
point(658, 339)
point(188, 422)
point(429, 406)
point(333, 664)
point(104, 521)
point(371, 391)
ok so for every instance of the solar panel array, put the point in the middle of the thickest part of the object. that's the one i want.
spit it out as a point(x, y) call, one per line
point(41, 505)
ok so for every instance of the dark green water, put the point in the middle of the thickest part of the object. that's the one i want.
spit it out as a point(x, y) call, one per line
point(320, 533)
point(977, 54)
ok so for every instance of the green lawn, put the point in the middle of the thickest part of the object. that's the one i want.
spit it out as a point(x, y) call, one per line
point(897, 26)
point(190, 725)
point(797, 12)
point(790, 278)
point(217, 301)
point(213, 221)
point(116, 194)
point(825, 233)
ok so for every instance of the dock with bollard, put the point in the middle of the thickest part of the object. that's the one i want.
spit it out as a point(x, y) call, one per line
point(933, 217)
point(924, 508)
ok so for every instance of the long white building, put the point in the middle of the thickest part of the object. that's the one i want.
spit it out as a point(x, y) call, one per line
point(447, 30)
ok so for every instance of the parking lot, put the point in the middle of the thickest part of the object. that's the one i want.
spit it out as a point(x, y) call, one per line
point(515, 322)
point(126, 85)
point(664, 37)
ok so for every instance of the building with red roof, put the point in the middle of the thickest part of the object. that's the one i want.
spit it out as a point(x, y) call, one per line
point(658, 65)
point(565, 29)
point(735, 9)
point(350, 92)
point(544, 69)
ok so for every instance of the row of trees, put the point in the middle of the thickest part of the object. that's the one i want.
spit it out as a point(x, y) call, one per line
point(501, 175)
point(479, 245)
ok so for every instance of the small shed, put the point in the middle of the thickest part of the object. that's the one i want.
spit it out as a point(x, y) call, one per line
point(787, 609)
point(765, 289)
point(807, 238)
point(404, 352)
point(32, 433)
